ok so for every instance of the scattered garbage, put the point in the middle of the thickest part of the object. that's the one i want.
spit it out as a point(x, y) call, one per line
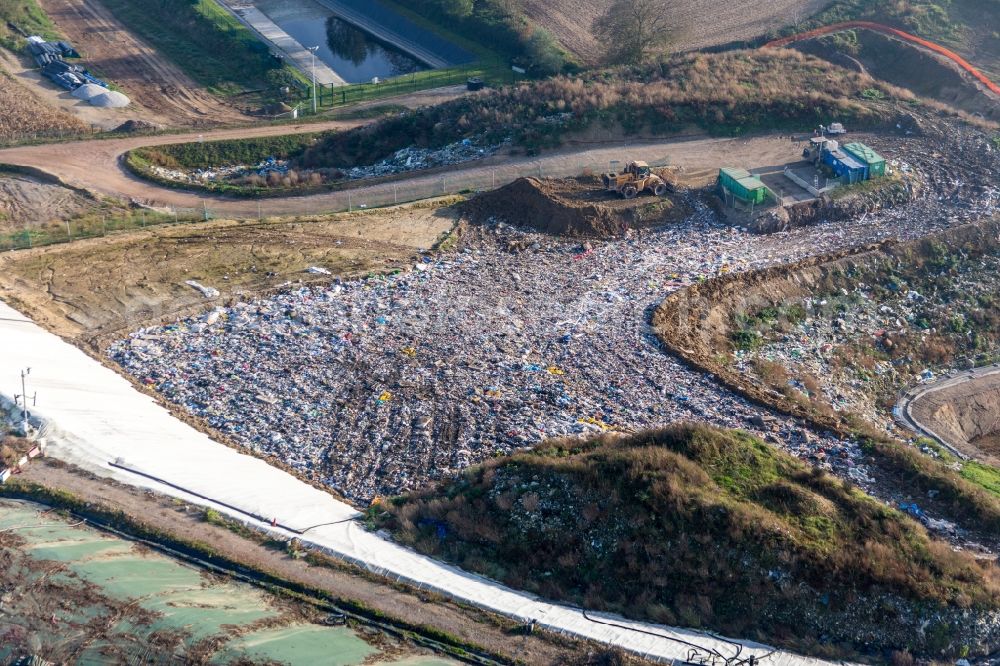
point(407, 159)
point(412, 158)
point(207, 292)
point(378, 385)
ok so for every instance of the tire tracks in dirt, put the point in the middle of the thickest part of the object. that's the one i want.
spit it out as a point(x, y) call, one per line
point(165, 92)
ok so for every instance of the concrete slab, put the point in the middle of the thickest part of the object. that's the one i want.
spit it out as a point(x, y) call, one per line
point(281, 41)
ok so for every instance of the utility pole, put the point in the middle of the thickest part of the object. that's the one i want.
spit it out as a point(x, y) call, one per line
point(24, 401)
point(312, 51)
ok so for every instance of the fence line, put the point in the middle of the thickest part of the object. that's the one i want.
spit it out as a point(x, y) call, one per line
point(353, 199)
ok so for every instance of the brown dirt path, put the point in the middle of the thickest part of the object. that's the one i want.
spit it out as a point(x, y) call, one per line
point(186, 522)
point(95, 165)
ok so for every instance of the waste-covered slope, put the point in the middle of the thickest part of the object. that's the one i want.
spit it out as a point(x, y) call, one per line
point(703, 527)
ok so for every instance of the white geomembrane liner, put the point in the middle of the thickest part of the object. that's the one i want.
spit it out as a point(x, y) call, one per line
point(93, 417)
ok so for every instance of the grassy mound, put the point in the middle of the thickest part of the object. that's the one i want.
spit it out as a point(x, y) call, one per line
point(722, 93)
point(28, 17)
point(227, 152)
point(704, 527)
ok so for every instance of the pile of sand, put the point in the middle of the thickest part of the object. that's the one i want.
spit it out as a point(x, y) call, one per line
point(110, 99)
point(88, 91)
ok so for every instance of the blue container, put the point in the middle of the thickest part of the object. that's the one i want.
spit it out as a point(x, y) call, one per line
point(847, 168)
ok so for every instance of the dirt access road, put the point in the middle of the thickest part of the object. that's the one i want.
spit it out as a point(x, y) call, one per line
point(96, 166)
point(959, 411)
point(161, 93)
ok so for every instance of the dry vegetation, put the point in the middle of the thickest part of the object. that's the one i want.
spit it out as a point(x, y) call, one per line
point(23, 114)
point(699, 526)
point(728, 93)
point(696, 23)
point(101, 285)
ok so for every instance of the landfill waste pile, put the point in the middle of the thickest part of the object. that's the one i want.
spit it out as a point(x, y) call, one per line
point(379, 385)
point(869, 335)
point(402, 161)
point(412, 158)
point(223, 173)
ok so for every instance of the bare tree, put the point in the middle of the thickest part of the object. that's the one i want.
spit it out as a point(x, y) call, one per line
point(631, 30)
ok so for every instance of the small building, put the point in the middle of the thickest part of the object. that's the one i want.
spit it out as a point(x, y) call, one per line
point(846, 167)
point(743, 185)
point(862, 153)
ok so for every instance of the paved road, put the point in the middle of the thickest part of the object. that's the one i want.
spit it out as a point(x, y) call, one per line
point(903, 411)
point(95, 418)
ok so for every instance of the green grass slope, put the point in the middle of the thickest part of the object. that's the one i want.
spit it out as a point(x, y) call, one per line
point(26, 15)
point(703, 527)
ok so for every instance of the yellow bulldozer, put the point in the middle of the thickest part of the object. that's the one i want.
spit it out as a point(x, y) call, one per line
point(636, 177)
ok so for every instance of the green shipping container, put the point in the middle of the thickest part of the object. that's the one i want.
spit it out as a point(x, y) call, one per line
point(743, 185)
point(875, 162)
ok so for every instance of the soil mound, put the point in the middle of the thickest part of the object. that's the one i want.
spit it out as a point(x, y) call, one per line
point(135, 126)
point(110, 99)
point(966, 415)
point(88, 91)
point(568, 207)
point(27, 200)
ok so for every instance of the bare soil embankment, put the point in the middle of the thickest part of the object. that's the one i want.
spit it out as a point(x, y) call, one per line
point(161, 92)
point(571, 207)
point(907, 66)
point(697, 23)
point(966, 415)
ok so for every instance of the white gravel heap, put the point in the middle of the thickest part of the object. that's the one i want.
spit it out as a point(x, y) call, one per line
point(110, 99)
point(88, 91)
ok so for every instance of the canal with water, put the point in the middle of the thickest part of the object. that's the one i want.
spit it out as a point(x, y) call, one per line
point(73, 594)
point(352, 53)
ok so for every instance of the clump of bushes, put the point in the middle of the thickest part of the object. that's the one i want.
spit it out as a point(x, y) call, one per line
point(697, 526)
point(724, 93)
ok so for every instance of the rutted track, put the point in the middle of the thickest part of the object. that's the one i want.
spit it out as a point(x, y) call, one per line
point(167, 93)
point(95, 166)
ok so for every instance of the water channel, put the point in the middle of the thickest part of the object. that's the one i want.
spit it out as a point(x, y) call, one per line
point(73, 594)
point(352, 53)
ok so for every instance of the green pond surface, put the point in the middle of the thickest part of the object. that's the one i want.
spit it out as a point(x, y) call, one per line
point(180, 597)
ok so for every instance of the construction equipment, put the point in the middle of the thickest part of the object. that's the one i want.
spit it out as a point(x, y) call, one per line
point(636, 177)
